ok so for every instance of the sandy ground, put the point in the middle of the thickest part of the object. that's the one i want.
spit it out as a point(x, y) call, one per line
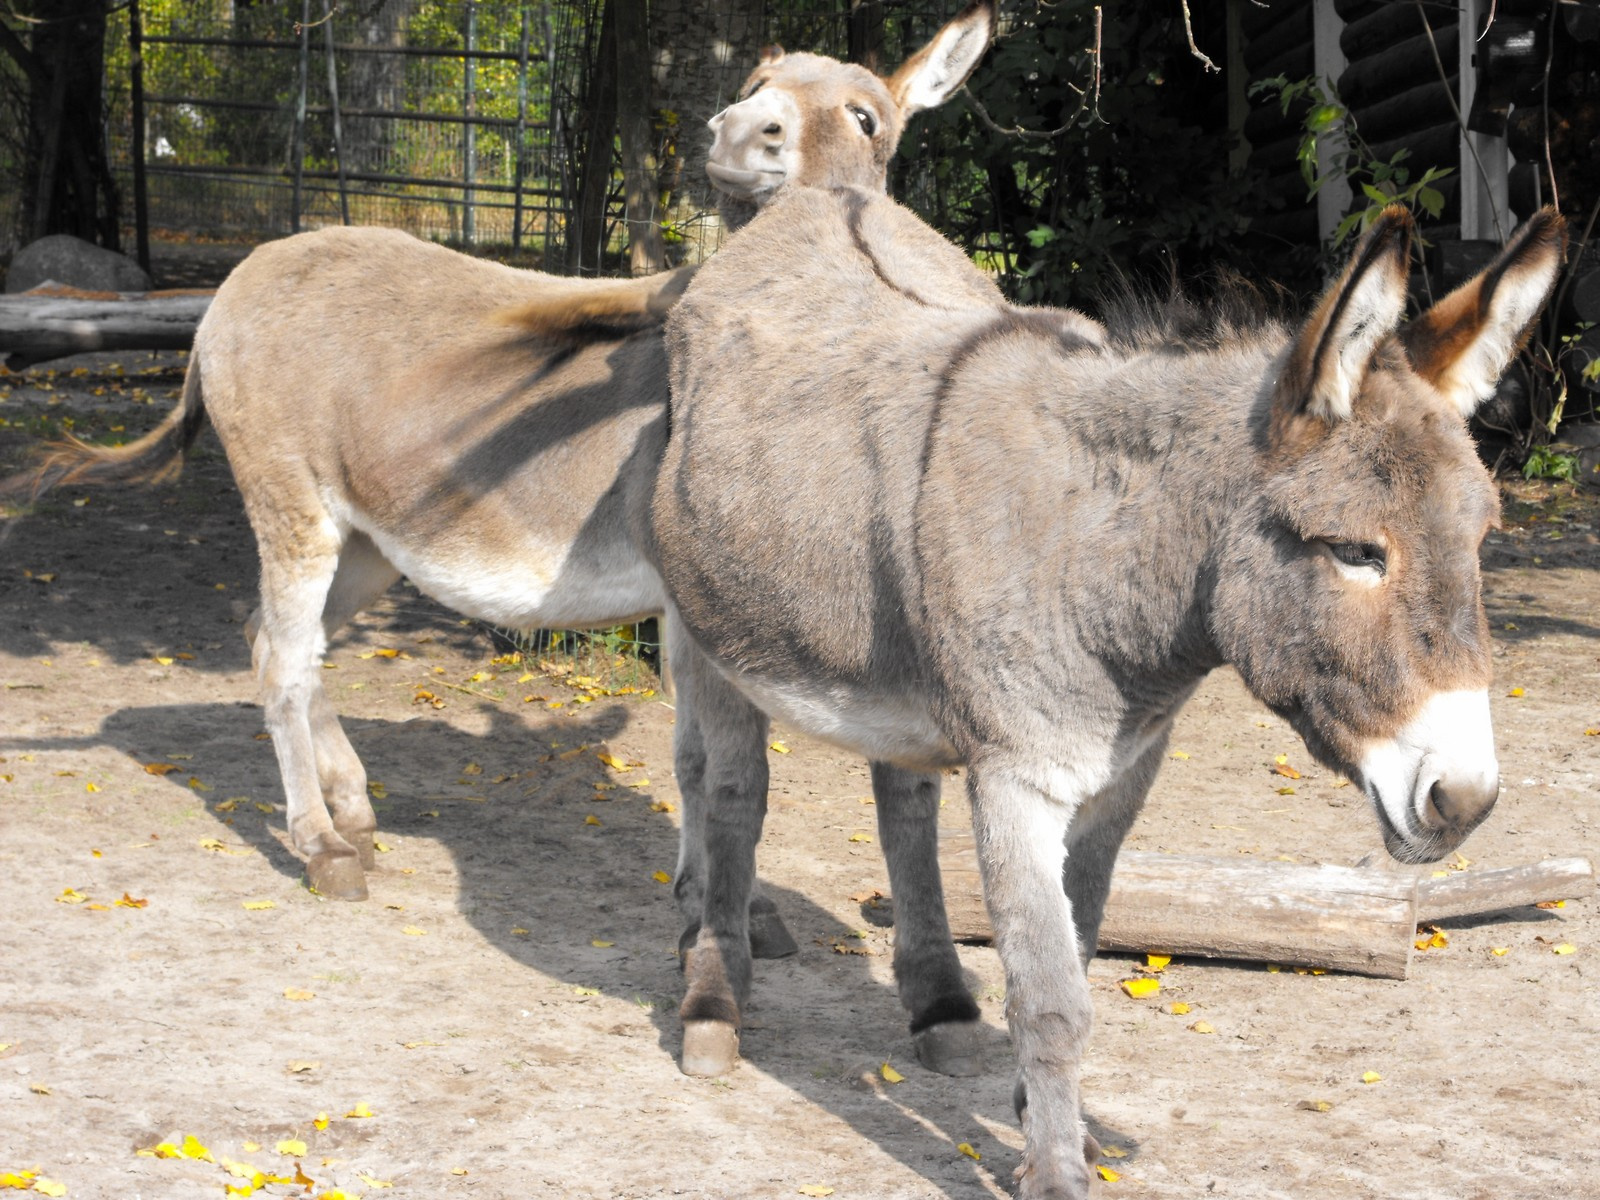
point(504, 1004)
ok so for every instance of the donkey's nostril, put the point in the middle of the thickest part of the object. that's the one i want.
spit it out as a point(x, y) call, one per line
point(1462, 804)
point(774, 130)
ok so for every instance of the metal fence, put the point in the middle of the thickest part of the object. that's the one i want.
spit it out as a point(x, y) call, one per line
point(459, 120)
point(442, 119)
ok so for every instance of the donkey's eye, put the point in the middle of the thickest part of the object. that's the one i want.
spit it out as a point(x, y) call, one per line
point(868, 122)
point(1360, 554)
point(754, 88)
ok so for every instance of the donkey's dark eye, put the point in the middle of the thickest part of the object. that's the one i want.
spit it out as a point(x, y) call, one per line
point(868, 122)
point(754, 88)
point(1360, 554)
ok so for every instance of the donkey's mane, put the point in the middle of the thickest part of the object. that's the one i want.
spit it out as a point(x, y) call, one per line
point(1222, 309)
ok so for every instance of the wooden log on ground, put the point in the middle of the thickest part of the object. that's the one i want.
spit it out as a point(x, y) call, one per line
point(1462, 893)
point(1352, 919)
point(52, 321)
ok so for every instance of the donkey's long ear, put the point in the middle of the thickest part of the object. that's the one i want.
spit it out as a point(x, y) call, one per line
point(1335, 346)
point(931, 76)
point(1463, 343)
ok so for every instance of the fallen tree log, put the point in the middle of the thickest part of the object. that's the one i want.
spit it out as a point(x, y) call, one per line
point(1354, 919)
point(52, 321)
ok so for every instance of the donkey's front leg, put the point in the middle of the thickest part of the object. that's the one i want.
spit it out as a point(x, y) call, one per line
point(944, 1016)
point(1020, 831)
point(1095, 838)
point(769, 938)
point(717, 965)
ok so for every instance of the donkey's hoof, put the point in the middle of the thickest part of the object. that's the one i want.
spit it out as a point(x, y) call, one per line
point(769, 937)
point(950, 1048)
point(337, 876)
point(709, 1048)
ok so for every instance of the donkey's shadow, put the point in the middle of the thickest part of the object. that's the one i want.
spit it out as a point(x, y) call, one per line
point(527, 861)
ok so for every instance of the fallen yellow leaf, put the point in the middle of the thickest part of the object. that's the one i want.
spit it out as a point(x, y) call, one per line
point(814, 1189)
point(1179, 754)
point(612, 761)
point(591, 819)
point(39, 1089)
point(1141, 987)
point(890, 1074)
point(258, 905)
point(295, 993)
point(1315, 1105)
point(1107, 1173)
point(1500, 951)
point(659, 877)
point(91, 787)
point(413, 931)
point(372, 1181)
point(293, 1147)
point(1282, 767)
point(663, 806)
point(779, 748)
point(966, 1148)
point(1371, 1077)
point(1177, 1008)
point(1113, 1152)
point(586, 991)
point(49, 1187)
point(1563, 948)
point(128, 901)
point(360, 1110)
point(1202, 1027)
point(381, 847)
point(1516, 691)
point(321, 1122)
point(1157, 962)
point(600, 945)
point(71, 896)
point(300, 1066)
point(192, 1148)
point(860, 837)
point(240, 1170)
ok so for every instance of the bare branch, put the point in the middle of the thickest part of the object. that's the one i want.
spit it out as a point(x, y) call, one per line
point(1090, 100)
point(1188, 29)
point(1444, 78)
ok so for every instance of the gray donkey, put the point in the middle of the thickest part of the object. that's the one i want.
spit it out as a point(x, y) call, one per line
point(389, 407)
point(939, 531)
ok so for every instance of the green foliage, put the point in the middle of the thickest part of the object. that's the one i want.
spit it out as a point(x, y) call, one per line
point(1380, 182)
point(1546, 462)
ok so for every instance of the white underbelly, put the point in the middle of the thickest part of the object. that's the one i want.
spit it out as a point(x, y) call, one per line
point(541, 585)
point(882, 727)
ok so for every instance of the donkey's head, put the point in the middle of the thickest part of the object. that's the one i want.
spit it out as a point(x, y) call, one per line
point(1349, 594)
point(810, 120)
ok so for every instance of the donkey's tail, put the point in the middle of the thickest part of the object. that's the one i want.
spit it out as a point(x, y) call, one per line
point(155, 458)
point(575, 308)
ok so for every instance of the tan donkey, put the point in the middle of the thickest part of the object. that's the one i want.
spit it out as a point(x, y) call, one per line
point(951, 533)
point(389, 408)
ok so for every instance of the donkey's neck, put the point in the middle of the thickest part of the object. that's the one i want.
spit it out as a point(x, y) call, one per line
point(1154, 452)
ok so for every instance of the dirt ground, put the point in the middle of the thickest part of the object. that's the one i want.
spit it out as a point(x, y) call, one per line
point(503, 1005)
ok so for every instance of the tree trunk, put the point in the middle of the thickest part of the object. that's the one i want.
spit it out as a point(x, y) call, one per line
point(67, 184)
point(586, 223)
point(640, 170)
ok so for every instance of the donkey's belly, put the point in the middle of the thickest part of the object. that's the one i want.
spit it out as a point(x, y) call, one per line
point(897, 729)
point(532, 582)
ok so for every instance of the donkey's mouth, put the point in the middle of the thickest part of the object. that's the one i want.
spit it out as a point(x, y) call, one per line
point(744, 184)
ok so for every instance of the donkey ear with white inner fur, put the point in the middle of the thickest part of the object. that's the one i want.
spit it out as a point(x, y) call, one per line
point(1335, 346)
point(1463, 343)
point(931, 76)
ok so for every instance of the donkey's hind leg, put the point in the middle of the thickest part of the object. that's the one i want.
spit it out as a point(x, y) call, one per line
point(944, 1016)
point(298, 563)
point(362, 576)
